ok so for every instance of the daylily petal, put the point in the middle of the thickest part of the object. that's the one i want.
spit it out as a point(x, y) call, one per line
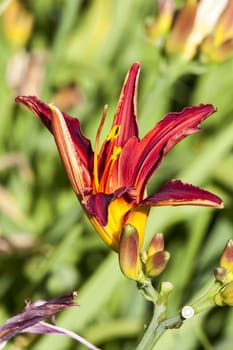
point(35, 313)
point(48, 328)
point(30, 320)
point(139, 159)
point(80, 144)
point(108, 213)
point(39, 108)
point(115, 211)
point(176, 192)
point(79, 175)
point(124, 126)
point(97, 205)
point(137, 217)
point(126, 115)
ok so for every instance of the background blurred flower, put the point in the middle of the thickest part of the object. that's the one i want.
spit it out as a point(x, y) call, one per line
point(204, 25)
point(17, 23)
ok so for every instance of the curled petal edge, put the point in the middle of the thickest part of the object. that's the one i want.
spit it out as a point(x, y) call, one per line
point(176, 192)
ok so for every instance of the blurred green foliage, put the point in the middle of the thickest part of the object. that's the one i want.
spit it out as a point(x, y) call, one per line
point(76, 53)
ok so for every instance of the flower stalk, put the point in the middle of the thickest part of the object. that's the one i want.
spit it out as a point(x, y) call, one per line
point(219, 294)
point(159, 323)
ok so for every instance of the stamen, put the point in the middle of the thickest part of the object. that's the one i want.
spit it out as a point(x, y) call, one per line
point(113, 153)
point(105, 179)
point(116, 152)
point(114, 132)
point(95, 165)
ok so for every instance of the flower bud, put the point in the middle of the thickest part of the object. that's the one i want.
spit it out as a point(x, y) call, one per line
point(159, 27)
point(225, 295)
point(156, 244)
point(156, 263)
point(220, 273)
point(183, 26)
point(224, 273)
point(166, 288)
point(226, 260)
point(224, 27)
point(17, 23)
point(216, 53)
point(129, 258)
point(218, 46)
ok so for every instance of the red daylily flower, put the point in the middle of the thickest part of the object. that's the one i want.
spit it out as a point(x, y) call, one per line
point(111, 183)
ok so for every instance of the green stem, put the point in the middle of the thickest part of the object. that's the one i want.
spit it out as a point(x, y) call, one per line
point(148, 291)
point(207, 300)
point(159, 301)
point(159, 324)
point(197, 231)
point(157, 327)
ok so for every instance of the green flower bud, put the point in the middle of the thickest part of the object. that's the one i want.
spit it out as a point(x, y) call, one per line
point(129, 258)
point(156, 244)
point(156, 263)
point(225, 296)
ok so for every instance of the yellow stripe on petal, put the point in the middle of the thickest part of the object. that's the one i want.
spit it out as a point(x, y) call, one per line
point(67, 151)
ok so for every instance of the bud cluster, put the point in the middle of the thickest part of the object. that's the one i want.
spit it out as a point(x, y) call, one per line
point(224, 275)
point(138, 265)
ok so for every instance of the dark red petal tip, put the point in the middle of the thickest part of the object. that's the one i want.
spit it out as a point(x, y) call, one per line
point(39, 108)
point(176, 193)
point(126, 114)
